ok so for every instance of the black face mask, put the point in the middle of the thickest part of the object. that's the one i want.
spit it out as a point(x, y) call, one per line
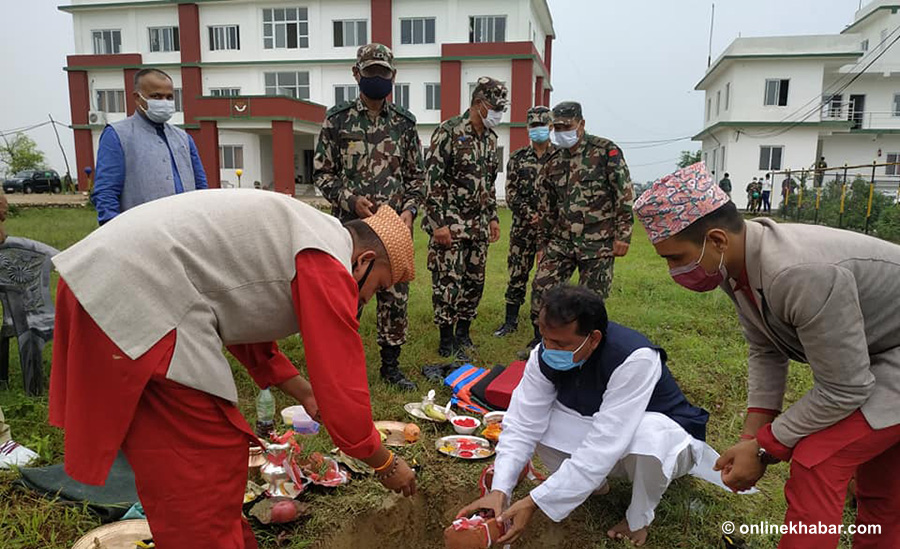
point(375, 87)
point(362, 282)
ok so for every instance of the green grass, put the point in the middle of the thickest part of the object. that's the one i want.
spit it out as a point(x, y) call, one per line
point(707, 355)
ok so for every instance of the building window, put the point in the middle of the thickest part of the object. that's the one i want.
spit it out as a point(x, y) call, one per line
point(164, 39)
point(727, 96)
point(718, 102)
point(285, 28)
point(231, 157)
point(224, 92)
point(179, 98)
point(292, 84)
point(487, 28)
point(770, 158)
point(722, 160)
point(111, 100)
point(896, 110)
point(350, 33)
point(417, 31)
point(865, 45)
point(107, 42)
point(715, 158)
point(834, 105)
point(432, 97)
point(345, 93)
point(892, 160)
point(709, 109)
point(224, 37)
point(500, 153)
point(777, 93)
point(401, 95)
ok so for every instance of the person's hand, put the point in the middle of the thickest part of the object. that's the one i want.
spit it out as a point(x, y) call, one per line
point(740, 466)
point(442, 236)
point(363, 207)
point(312, 408)
point(495, 231)
point(494, 501)
point(516, 519)
point(620, 248)
point(407, 217)
point(403, 479)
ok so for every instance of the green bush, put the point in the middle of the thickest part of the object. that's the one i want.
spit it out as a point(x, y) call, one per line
point(888, 226)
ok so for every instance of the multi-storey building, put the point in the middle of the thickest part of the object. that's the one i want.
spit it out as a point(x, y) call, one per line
point(779, 103)
point(254, 78)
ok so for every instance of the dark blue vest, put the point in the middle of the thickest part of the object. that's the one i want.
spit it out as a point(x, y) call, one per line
point(581, 389)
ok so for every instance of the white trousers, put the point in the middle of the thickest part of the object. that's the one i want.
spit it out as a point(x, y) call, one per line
point(648, 480)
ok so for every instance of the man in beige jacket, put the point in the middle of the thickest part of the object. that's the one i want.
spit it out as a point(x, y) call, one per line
point(815, 295)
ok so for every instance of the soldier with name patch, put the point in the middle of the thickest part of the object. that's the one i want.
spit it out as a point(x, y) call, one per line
point(523, 199)
point(461, 212)
point(586, 203)
point(369, 154)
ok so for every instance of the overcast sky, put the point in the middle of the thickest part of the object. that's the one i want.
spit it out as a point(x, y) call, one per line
point(633, 64)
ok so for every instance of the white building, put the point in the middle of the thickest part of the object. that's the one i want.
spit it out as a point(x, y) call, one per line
point(782, 103)
point(253, 79)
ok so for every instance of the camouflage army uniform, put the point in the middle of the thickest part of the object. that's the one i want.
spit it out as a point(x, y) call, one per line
point(586, 204)
point(523, 199)
point(380, 160)
point(460, 170)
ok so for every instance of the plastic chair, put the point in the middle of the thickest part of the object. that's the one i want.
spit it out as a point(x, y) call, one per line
point(28, 311)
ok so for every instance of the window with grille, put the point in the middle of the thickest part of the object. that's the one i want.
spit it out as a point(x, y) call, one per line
point(224, 37)
point(777, 93)
point(224, 92)
point(401, 95)
point(231, 157)
point(487, 28)
point(350, 33)
point(285, 28)
point(347, 92)
point(770, 158)
point(111, 100)
point(179, 100)
point(292, 84)
point(419, 30)
point(108, 41)
point(432, 97)
point(164, 39)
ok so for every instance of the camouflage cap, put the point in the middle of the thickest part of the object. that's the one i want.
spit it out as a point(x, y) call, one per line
point(566, 112)
point(492, 91)
point(539, 115)
point(374, 54)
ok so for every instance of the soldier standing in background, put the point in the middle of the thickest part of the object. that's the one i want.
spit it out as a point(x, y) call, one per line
point(369, 154)
point(523, 199)
point(586, 199)
point(461, 212)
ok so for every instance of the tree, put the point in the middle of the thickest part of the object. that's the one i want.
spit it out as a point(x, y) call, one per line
point(688, 159)
point(20, 153)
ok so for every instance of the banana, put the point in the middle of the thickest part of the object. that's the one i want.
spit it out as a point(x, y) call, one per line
point(435, 412)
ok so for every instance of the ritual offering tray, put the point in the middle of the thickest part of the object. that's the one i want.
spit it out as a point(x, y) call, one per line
point(464, 447)
point(397, 433)
point(438, 414)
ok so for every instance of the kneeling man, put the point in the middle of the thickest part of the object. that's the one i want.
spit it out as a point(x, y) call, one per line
point(596, 400)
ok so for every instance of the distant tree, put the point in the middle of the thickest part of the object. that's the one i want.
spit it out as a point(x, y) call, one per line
point(688, 158)
point(20, 153)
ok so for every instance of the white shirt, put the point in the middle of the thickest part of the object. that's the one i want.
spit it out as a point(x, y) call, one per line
point(595, 443)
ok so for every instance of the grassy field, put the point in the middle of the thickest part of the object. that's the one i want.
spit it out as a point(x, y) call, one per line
point(707, 355)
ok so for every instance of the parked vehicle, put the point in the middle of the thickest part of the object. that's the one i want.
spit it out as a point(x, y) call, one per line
point(34, 181)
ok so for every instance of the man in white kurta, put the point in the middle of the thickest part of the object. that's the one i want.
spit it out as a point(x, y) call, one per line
point(596, 400)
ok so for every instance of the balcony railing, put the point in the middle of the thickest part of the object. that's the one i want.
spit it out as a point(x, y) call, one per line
point(861, 119)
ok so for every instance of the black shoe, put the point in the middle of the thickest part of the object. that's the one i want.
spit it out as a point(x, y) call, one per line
point(445, 348)
point(535, 341)
point(463, 341)
point(512, 321)
point(390, 368)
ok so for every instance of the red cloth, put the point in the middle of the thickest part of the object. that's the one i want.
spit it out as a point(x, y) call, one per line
point(822, 466)
point(188, 450)
point(95, 388)
point(499, 392)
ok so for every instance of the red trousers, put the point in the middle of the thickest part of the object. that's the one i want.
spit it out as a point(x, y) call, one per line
point(821, 469)
point(188, 449)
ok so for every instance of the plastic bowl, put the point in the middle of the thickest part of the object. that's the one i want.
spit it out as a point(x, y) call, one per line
point(465, 430)
point(494, 417)
point(287, 414)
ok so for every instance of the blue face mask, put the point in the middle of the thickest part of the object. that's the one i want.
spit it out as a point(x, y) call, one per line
point(562, 360)
point(540, 134)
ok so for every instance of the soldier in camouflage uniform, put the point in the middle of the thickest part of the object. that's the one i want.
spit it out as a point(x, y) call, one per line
point(369, 155)
point(523, 199)
point(461, 212)
point(586, 205)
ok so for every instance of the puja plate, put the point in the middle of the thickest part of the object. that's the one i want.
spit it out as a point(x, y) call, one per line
point(464, 447)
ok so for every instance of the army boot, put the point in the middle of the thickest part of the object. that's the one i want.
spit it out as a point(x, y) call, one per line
point(512, 321)
point(464, 345)
point(445, 348)
point(535, 341)
point(390, 368)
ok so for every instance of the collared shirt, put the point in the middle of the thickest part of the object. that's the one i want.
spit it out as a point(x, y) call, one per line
point(109, 179)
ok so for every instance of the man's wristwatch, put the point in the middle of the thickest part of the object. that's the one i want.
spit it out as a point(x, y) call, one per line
point(765, 457)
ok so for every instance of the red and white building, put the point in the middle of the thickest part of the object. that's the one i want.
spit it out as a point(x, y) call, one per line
point(254, 78)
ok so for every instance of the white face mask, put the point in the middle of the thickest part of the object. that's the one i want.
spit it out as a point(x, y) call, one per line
point(159, 110)
point(565, 139)
point(493, 118)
